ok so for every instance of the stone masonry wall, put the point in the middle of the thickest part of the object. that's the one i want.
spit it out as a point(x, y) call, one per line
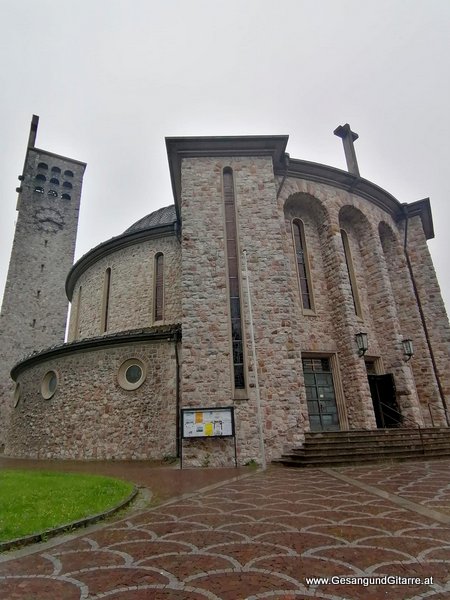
point(360, 219)
point(131, 289)
point(34, 309)
point(434, 312)
point(207, 367)
point(90, 415)
point(410, 323)
point(284, 332)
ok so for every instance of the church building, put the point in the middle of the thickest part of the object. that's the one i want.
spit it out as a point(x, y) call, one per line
point(272, 298)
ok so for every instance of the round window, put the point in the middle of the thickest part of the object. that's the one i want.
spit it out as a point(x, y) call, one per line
point(16, 395)
point(131, 374)
point(49, 384)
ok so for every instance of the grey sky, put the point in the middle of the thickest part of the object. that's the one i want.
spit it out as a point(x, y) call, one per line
point(110, 79)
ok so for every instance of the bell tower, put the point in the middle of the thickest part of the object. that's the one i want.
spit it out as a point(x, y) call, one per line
point(34, 310)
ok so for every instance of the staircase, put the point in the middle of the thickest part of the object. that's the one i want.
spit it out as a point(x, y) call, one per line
point(337, 448)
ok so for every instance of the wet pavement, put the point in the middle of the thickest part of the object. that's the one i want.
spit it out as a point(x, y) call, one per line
point(262, 535)
point(155, 476)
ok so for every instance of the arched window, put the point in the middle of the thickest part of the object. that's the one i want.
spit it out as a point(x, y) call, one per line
point(67, 185)
point(159, 287)
point(39, 190)
point(40, 177)
point(105, 304)
point(65, 197)
point(54, 181)
point(68, 173)
point(52, 194)
point(233, 279)
point(56, 170)
point(43, 165)
point(303, 272)
point(351, 273)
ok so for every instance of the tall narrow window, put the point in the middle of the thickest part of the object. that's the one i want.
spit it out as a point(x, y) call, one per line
point(105, 306)
point(159, 287)
point(233, 279)
point(304, 276)
point(351, 273)
point(76, 331)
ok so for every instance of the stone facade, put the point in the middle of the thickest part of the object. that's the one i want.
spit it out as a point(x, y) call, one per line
point(266, 204)
point(132, 287)
point(367, 268)
point(90, 416)
point(34, 309)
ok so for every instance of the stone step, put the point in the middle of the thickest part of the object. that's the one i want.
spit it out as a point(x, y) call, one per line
point(350, 447)
point(342, 462)
point(360, 452)
point(376, 434)
point(362, 444)
point(330, 450)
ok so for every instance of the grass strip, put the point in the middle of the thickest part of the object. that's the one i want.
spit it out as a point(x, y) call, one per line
point(34, 501)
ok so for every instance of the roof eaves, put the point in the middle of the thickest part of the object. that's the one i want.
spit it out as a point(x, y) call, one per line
point(152, 334)
point(111, 245)
point(179, 148)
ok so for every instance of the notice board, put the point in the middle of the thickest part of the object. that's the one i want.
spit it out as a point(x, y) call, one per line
point(207, 422)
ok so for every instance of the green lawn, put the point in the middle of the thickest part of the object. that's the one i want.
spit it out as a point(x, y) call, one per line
point(33, 501)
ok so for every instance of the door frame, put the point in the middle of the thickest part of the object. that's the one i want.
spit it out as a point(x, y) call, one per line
point(337, 384)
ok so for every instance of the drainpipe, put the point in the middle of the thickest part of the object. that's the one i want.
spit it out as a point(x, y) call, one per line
point(422, 315)
point(255, 371)
point(176, 339)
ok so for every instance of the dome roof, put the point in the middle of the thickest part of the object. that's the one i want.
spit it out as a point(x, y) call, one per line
point(162, 216)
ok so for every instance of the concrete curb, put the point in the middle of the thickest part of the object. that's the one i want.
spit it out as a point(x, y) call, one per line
point(48, 533)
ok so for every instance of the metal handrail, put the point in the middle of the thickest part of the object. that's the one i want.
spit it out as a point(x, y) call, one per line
point(402, 419)
point(408, 419)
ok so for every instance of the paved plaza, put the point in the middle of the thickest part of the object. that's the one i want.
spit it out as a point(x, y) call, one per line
point(259, 535)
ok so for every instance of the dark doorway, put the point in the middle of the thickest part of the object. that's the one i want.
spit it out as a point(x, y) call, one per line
point(320, 394)
point(387, 412)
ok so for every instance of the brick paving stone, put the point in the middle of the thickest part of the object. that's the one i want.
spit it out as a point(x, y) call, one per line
point(109, 537)
point(438, 570)
point(167, 528)
point(202, 539)
point(230, 586)
point(372, 592)
point(35, 563)
point(186, 566)
point(298, 541)
point(139, 550)
point(308, 566)
point(344, 532)
point(21, 588)
point(259, 537)
point(426, 483)
point(107, 579)
point(81, 559)
point(146, 593)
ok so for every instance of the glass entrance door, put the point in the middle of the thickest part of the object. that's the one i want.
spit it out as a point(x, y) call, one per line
point(320, 394)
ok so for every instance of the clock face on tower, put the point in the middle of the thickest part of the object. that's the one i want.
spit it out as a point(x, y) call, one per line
point(49, 220)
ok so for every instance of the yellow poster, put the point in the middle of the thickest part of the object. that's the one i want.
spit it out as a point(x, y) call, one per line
point(209, 429)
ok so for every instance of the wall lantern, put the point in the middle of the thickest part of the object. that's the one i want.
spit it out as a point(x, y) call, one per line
point(362, 342)
point(408, 349)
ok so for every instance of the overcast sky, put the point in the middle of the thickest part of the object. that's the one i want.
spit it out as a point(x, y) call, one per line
point(111, 78)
